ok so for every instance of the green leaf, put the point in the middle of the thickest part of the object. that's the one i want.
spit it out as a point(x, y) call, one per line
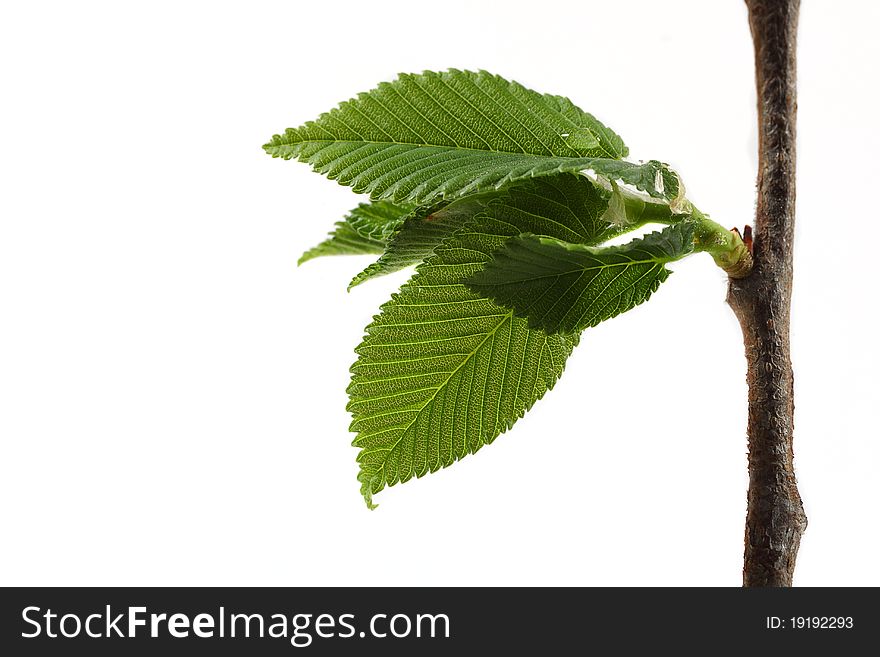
point(365, 230)
point(564, 287)
point(425, 138)
point(344, 240)
point(378, 220)
point(420, 233)
point(441, 371)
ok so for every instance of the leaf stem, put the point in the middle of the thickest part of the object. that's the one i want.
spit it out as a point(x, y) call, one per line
point(725, 246)
point(641, 210)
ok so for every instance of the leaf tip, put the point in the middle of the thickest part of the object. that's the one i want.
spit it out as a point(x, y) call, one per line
point(367, 489)
point(271, 146)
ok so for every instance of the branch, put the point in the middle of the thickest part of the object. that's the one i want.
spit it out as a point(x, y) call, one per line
point(775, 519)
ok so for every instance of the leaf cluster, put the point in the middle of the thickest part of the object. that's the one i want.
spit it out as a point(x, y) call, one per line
point(504, 199)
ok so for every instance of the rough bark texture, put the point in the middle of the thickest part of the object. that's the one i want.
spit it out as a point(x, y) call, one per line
point(775, 520)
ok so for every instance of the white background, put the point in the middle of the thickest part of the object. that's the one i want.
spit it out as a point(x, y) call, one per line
point(172, 386)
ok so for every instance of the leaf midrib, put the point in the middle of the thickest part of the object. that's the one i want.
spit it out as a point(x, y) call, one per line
point(582, 270)
point(405, 428)
point(438, 146)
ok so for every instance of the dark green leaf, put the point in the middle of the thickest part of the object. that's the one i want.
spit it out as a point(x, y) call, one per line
point(564, 287)
point(365, 230)
point(425, 138)
point(420, 233)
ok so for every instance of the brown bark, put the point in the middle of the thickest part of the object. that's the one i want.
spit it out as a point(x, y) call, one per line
point(775, 519)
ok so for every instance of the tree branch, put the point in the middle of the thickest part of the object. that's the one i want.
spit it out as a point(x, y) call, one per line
point(775, 519)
